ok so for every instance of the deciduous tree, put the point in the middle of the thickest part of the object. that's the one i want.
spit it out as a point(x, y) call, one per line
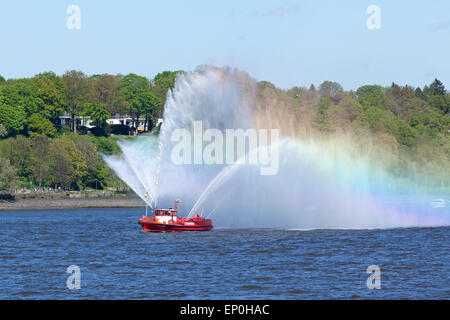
point(141, 101)
point(39, 125)
point(41, 157)
point(12, 118)
point(329, 89)
point(161, 84)
point(78, 89)
point(98, 116)
point(8, 177)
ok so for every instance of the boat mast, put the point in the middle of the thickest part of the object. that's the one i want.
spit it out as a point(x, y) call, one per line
point(146, 204)
point(176, 203)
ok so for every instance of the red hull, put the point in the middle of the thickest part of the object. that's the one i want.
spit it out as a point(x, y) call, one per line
point(194, 224)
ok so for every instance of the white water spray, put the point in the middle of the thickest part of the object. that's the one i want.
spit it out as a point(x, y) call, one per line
point(318, 185)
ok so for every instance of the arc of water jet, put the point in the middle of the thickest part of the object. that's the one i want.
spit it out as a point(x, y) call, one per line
point(218, 205)
point(140, 180)
point(224, 174)
point(158, 167)
point(136, 186)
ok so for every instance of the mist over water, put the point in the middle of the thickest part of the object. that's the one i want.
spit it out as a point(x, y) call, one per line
point(319, 184)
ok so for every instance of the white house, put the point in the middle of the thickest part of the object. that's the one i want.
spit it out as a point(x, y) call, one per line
point(127, 120)
point(66, 119)
point(117, 119)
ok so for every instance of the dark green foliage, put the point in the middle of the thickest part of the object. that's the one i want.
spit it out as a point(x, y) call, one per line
point(141, 101)
point(78, 90)
point(419, 93)
point(440, 103)
point(83, 130)
point(18, 151)
point(23, 94)
point(120, 129)
point(370, 96)
point(432, 120)
point(437, 88)
point(161, 84)
point(378, 120)
point(12, 118)
point(106, 146)
point(322, 120)
point(39, 125)
point(98, 115)
point(103, 131)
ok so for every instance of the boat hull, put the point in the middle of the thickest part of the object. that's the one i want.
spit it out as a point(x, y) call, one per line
point(204, 225)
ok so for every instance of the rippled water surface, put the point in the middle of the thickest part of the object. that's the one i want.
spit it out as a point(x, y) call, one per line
point(119, 261)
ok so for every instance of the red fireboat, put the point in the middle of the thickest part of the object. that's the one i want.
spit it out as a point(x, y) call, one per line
point(168, 220)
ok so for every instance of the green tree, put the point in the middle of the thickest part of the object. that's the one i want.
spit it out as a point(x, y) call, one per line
point(419, 93)
point(21, 93)
point(106, 90)
point(141, 101)
point(39, 125)
point(60, 172)
point(379, 120)
point(18, 151)
point(67, 166)
point(351, 108)
point(405, 134)
point(340, 116)
point(43, 94)
point(402, 101)
point(430, 119)
point(150, 106)
point(440, 103)
point(161, 84)
point(370, 96)
point(329, 89)
point(98, 115)
point(51, 92)
point(95, 176)
point(78, 88)
point(2, 79)
point(41, 166)
point(106, 146)
point(322, 120)
point(8, 177)
point(12, 118)
point(437, 88)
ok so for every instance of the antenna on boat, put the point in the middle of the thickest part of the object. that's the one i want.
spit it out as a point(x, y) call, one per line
point(176, 203)
point(146, 204)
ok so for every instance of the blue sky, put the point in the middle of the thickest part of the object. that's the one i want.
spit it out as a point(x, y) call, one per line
point(290, 43)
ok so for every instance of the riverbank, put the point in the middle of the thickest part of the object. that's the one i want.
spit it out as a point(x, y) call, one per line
point(71, 203)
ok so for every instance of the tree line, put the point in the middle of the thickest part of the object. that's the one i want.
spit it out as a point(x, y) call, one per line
point(32, 106)
point(404, 128)
point(37, 151)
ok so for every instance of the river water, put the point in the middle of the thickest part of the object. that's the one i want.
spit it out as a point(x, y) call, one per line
point(119, 261)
